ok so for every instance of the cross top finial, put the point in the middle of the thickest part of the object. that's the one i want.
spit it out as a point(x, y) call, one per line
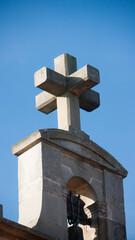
point(68, 90)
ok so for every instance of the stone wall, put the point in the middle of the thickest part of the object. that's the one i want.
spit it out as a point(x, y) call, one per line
point(53, 162)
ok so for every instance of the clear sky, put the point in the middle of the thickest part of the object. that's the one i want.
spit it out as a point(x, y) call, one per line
point(99, 33)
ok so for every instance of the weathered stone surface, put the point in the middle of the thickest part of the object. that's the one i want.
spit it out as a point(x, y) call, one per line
point(78, 132)
point(114, 197)
point(39, 174)
point(98, 209)
point(30, 185)
point(52, 208)
point(68, 111)
point(83, 79)
point(116, 213)
point(116, 230)
point(50, 81)
point(65, 64)
point(114, 189)
point(89, 100)
point(71, 167)
point(67, 104)
point(67, 173)
point(52, 229)
point(46, 102)
point(99, 221)
point(84, 150)
point(53, 215)
point(70, 88)
point(52, 187)
point(102, 229)
point(52, 162)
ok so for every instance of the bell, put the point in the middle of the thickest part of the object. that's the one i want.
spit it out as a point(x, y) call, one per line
point(75, 233)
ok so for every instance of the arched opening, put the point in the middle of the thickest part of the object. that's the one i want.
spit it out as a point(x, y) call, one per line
point(79, 186)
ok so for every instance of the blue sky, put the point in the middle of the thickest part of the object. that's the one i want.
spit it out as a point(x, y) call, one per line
point(99, 33)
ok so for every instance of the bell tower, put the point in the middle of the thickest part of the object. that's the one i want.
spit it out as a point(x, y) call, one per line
point(64, 176)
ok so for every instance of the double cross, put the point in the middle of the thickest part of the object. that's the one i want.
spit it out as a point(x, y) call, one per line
point(68, 90)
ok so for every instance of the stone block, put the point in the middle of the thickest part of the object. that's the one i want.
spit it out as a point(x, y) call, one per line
point(82, 169)
point(97, 183)
point(102, 229)
point(78, 132)
point(72, 167)
point(66, 174)
point(114, 189)
point(45, 102)
point(52, 187)
point(116, 230)
point(68, 111)
point(51, 210)
point(70, 164)
point(30, 189)
point(30, 166)
point(116, 214)
point(99, 221)
point(83, 79)
point(30, 209)
point(65, 64)
point(53, 215)
point(50, 81)
point(51, 163)
point(89, 100)
point(52, 230)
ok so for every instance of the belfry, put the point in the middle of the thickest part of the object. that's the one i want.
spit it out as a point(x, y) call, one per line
point(69, 187)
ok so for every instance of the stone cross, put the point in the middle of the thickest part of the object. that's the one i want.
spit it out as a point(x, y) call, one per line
point(68, 90)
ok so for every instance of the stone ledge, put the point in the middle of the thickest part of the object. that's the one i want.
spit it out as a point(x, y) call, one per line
point(39, 135)
point(86, 149)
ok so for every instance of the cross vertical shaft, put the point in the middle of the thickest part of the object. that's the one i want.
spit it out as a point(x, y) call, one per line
point(68, 110)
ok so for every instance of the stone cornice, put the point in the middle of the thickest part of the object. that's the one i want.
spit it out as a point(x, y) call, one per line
point(85, 149)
